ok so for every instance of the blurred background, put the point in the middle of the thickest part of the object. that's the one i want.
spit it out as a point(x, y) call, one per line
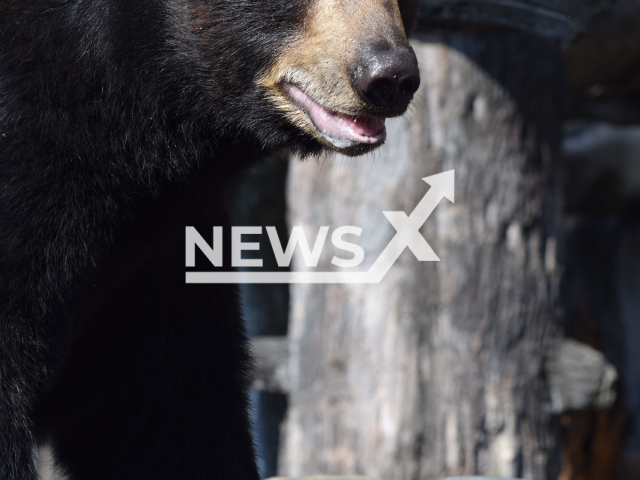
point(517, 355)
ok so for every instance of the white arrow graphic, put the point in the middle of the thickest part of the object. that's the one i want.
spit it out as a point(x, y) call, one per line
point(408, 228)
point(407, 235)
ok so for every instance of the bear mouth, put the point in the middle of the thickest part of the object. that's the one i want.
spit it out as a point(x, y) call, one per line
point(343, 131)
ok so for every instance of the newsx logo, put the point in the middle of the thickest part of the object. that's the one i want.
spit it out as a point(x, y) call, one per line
point(407, 236)
point(311, 256)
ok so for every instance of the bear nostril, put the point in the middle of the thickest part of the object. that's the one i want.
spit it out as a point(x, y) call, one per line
point(388, 78)
point(380, 90)
point(410, 85)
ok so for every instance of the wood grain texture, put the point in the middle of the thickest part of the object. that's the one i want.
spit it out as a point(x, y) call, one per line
point(360, 477)
point(439, 369)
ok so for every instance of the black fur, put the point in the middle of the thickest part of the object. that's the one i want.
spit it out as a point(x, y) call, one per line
point(122, 122)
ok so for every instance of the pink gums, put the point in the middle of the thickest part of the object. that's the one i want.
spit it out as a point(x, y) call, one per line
point(340, 129)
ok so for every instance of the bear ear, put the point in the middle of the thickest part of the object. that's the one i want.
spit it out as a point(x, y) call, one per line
point(409, 14)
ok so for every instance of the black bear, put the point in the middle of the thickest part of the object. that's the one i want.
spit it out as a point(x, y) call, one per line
point(121, 123)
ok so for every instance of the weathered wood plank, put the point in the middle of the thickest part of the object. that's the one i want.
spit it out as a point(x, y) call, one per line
point(581, 378)
point(439, 369)
point(271, 357)
point(360, 477)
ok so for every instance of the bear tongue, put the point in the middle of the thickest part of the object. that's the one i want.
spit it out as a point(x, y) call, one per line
point(340, 129)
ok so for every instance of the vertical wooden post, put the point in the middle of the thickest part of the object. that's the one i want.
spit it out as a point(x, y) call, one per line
point(438, 370)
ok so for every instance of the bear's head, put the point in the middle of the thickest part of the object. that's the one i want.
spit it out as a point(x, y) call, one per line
point(303, 75)
point(298, 75)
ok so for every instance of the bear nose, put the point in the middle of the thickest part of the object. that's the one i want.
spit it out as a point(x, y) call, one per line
point(387, 77)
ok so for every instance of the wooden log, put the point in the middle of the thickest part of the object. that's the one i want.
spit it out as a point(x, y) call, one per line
point(360, 477)
point(581, 378)
point(439, 369)
point(558, 20)
point(326, 477)
point(475, 478)
point(271, 358)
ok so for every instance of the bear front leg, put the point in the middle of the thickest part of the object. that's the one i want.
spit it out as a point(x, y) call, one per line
point(17, 440)
point(155, 388)
point(27, 361)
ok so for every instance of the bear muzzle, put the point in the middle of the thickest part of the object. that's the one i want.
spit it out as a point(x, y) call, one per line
point(348, 69)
